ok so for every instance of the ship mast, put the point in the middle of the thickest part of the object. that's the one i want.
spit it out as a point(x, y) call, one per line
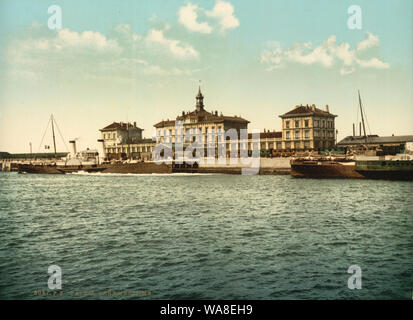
point(362, 118)
point(54, 140)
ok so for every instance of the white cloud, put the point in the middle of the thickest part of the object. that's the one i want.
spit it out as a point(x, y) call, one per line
point(221, 17)
point(224, 12)
point(188, 17)
point(327, 54)
point(91, 55)
point(175, 47)
point(370, 42)
point(373, 63)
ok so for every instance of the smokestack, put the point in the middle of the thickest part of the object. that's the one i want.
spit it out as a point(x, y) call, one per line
point(102, 153)
point(354, 130)
point(73, 147)
point(360, 128)
point(327, 108)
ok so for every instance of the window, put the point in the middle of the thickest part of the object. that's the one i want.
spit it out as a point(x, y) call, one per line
point(297, 123)
point(315, 123)
point(287, 135)
point(287, 124)
point(306, 123)
point(297, 134)
point(307, 134)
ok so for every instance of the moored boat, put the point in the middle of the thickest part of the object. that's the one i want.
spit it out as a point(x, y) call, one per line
point(323, 168)
point(390, 169)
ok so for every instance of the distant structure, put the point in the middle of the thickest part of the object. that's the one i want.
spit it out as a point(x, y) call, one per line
point(389, 144)
point(304, 129)
point(121, 133)
point(124, 140)
point(211, 124)
point(308, 128)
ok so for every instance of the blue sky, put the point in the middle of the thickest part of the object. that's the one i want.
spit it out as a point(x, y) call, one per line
point(141, 61)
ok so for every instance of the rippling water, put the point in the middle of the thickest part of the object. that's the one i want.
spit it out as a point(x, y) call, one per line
point(205, 236)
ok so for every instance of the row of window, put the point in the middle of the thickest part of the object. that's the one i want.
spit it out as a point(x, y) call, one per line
point(131, 149)
point(108, 136)
point(306, 123)
point(297, 134)
point(321, 134)
point(208, 130)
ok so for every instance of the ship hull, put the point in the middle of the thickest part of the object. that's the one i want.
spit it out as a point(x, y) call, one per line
point(53, 169)
point(38, 169)
point(386, 170)
point(137, 168)
point(324, 169)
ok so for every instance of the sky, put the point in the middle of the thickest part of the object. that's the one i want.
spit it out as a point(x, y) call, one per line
point(142, 61)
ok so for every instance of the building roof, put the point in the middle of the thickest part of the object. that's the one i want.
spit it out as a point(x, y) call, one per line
point(374, 139)
point(121, 125)
point(307, 111)
point(200, 115)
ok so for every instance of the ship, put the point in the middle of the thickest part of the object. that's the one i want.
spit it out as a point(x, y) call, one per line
point(399, 167)
point(364, 166)
point(324, 168)
point(87, 161)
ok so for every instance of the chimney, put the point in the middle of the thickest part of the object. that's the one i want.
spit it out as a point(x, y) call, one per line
point(313, 107)
point(73, 147)
point(102, 153)
point(216, 113)
point(134, 124)
point(183, 113)
point(327, 108)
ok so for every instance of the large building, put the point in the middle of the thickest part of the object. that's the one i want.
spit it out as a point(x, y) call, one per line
point(308, 128)
point(304, 128)
point(211, 125)
point(124, 140)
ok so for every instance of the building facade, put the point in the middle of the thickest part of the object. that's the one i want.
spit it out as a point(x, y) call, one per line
point(304, 128)
point(124, 140)
point(201, 126)
point(308, 128)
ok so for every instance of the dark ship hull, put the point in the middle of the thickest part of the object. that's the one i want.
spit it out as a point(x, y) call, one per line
point(386, 169)
point(319, 169)
point(54, 169)
point(125, 168)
